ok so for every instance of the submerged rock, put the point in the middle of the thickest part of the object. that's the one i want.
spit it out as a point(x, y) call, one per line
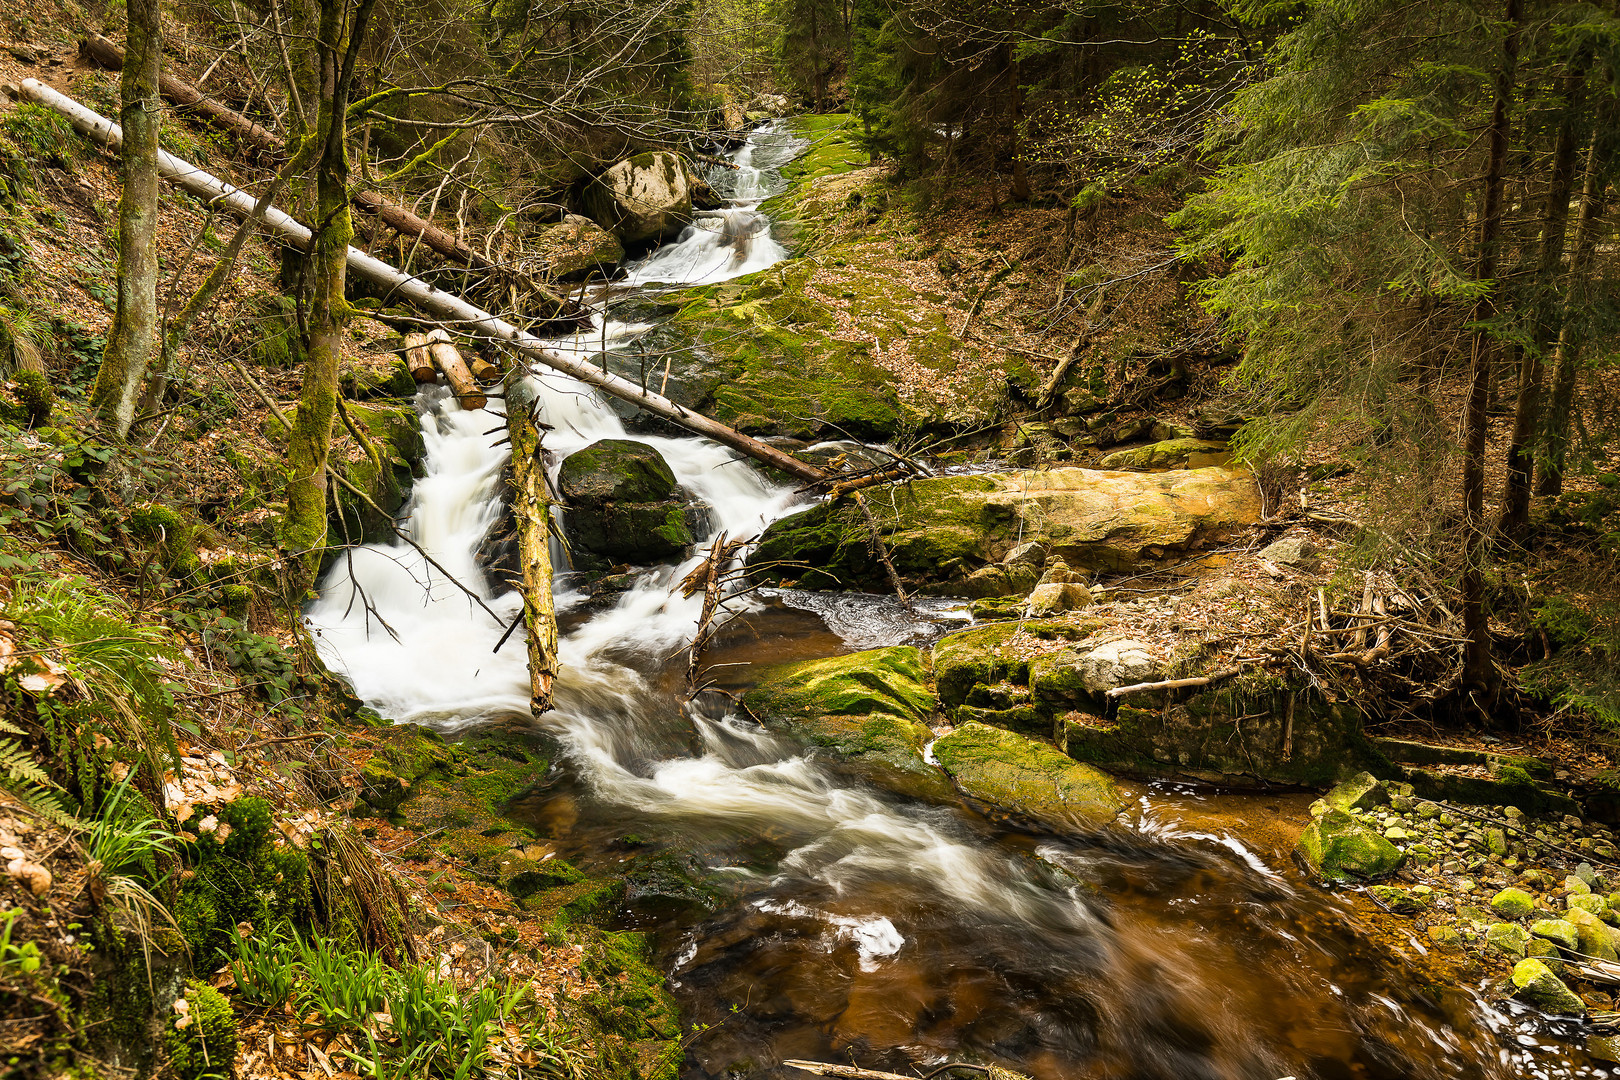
point(1027, 777)
point(643, 199)
point(1338, 847)
point(623, 505)
point(869, 706)
point(940, 530)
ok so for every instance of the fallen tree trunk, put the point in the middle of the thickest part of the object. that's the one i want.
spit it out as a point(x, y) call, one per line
point(447, 358)
point(107, 53)
point(434, 302)
point(531, 508)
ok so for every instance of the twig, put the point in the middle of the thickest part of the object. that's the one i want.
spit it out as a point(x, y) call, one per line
point(1172, 684)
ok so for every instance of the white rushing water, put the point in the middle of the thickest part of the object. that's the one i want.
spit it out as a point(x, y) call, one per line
point(418, 649)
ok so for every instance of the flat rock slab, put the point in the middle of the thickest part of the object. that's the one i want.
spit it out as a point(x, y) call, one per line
point(939, 530)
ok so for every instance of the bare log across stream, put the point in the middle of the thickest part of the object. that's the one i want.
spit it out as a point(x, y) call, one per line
point(107, 53)
point(438, 304)
point(419, 359)
point(531, 509)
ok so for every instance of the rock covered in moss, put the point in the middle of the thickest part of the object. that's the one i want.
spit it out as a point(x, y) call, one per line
point(1339, 847)
point(1560, 932)
point(1403, 901)
point(1535, 984)
point(201, 1038)
point(576, 248)
point(1592, 935)
point(1513, 903)
point(1056, 597)
point(642, 199)
point(623, 503)
point(870, 706)
point(1027, 777)
point(1508, 938)
point(1170, 454)
point(939, 530)
point(1361, 792)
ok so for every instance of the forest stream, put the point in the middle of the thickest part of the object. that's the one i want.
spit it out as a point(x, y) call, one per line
point(863, 926)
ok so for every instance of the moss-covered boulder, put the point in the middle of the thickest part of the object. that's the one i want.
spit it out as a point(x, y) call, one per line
point(1339, 847)
point(1169, 454)
point(407, 753)
point(577, 248)
point(1534, 984)
point(872, 707)
point(623, 505)
point(940, 530)
point(1027, 777)
point(1362, 791)
point(987, 655)
point(643, 199)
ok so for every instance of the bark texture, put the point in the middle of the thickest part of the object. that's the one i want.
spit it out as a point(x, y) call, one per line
point(134, 331)
point(531, 507)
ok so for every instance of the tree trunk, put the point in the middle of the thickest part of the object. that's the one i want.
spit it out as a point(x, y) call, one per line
point(1019, 188)
point(303, 532)
point(1479, 673)
point(531, 507)
point(134, 330)
point(1567, 353)
point(1515, 513)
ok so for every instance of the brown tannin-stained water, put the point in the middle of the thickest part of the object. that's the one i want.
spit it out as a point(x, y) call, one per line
point(804, 913)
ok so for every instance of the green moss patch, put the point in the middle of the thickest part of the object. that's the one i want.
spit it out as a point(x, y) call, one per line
point(1027, 777)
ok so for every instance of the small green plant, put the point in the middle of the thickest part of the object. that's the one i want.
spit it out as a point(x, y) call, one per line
point(443, 1031)
point(23, 779)
point(345, 988)
point(25, 958)
point(265, 967)
point(124, 846)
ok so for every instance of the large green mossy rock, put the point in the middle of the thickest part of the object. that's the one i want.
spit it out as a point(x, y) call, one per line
point(623, 505)
point(872, 707)
point(642, 199)
point(940, 530)
point(1535, 984)
point(988, 655)
point(1027, 777)
point(1170, 454)
point(1339, 847)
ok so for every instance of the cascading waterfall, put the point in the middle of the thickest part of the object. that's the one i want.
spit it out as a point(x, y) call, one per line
point(864, 922)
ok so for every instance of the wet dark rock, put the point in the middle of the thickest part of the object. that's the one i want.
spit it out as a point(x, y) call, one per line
point(623, 505)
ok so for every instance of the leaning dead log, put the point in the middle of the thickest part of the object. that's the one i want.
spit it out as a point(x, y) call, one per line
point(436, 303)
point(107, 53)
point(447, 358)
point(531, 509)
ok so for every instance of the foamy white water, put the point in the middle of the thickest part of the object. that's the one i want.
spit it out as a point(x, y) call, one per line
point(418, 649)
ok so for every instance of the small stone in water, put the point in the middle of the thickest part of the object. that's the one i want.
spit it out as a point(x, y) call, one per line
point(1446, 938)
point(1508, 938)
point(1575, 886)
point(1513, 904)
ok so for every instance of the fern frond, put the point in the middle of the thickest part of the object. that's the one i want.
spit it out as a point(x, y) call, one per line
point(19, 765)
point(9, 728)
